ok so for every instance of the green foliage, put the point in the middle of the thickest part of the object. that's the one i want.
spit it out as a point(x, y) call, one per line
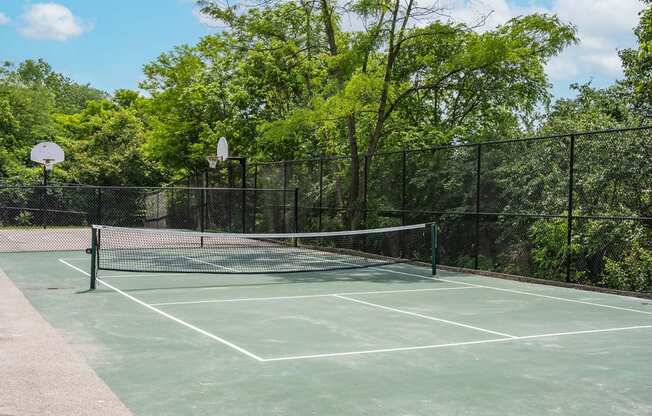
point(24, 219)
point(549, 248)
point(633, 272)
point(285, 81)
point(637, 64)
point(104, 146)
point(102, 140)
point(592, 109)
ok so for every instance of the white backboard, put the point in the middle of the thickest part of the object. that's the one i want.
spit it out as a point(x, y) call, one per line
point(223, 148)
point(47, 153)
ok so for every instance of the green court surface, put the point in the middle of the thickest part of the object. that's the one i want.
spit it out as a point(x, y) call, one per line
point(390, 340)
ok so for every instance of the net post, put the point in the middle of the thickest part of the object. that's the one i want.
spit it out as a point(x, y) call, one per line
point(433, 247)
point(94, 258)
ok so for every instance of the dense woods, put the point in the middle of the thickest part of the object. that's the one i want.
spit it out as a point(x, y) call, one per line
point(288, 80)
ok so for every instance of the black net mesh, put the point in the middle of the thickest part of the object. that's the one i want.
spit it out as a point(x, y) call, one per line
point(145, 250)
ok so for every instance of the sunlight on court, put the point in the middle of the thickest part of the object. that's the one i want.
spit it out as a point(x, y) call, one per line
point(251, 337)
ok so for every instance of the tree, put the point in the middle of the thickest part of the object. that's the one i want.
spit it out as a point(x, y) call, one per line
point(406, 71)
point(637, 64)
point(592, 109)
point(69, 96)
point(104, 146)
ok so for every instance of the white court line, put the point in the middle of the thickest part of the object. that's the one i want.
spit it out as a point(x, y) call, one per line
point(431, 318)
point(453, 344)
point(349, 353)
point(171, 317)
point(323, 295)
point(212, 264)
point(516, 291)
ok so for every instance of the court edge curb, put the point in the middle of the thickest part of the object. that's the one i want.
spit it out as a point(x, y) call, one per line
point(31, 345)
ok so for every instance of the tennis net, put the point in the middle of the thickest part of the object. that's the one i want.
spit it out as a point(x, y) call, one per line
point(176, 251)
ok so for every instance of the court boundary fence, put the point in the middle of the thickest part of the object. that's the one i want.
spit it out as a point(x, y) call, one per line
point(580, 185)
point(24, 210)
point(574, 207)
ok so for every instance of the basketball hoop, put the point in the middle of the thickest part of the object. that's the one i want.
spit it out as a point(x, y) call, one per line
point(213, 160)
point(49, 164)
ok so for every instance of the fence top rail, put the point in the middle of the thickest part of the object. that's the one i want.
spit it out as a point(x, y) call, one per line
point(147, 188)
point(310, 159)
point(580, 134)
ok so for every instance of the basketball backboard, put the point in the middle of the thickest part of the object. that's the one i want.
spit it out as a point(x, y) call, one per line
point(47, 154)
point(223, 149)
point(221, 155)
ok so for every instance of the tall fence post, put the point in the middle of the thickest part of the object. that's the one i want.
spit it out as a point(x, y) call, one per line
point(44, 206)
point(403, 185)
point(98, 208)
point(569, 224)
point(158, 209)
point(255, 208)
point(285, 186)
point(478, 168)
point(321, 191)
point(243, 164)
point(365, 190)
point(296, 210)
point(203, 204)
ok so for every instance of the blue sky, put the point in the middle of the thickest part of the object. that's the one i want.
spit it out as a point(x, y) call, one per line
point(106, 43)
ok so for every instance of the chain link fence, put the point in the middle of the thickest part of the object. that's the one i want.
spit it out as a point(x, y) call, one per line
point(574, 208)
point(55, 217)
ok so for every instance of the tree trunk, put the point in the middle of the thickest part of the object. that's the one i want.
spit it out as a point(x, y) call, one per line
point(353, 212)
point(354, 215)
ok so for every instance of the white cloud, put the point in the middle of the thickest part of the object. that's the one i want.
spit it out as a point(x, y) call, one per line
point(491, 13)
point(206, 20)
point(52, 21)
point(603, 27)
point(4, 19)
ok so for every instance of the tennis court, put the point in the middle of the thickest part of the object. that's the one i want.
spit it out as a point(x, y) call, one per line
point(387, 339)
